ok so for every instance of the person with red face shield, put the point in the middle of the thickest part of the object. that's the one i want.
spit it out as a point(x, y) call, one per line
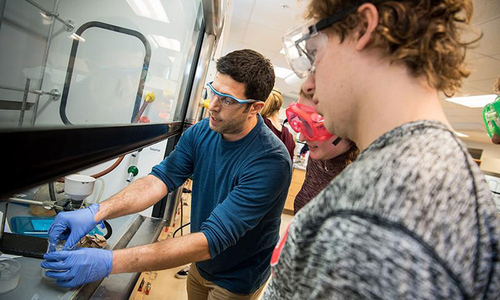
point(328, 155)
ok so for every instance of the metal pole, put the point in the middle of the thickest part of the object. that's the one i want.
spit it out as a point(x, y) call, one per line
point(25, 99)
point(44, 65)
point(53, 93)
point(206, 53)
point(25, 201)
point(2, 10)
point(4, 219)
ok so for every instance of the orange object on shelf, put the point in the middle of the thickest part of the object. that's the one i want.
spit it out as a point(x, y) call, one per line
point(141, 286)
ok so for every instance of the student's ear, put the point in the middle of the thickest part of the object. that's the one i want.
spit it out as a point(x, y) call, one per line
point(367, 27)
point(256, 107)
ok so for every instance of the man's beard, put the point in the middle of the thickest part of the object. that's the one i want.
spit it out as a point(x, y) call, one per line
point(232, 126)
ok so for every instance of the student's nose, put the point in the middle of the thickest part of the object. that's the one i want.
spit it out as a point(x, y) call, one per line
point(309, 85)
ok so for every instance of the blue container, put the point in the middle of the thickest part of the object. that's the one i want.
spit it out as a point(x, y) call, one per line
point(36, 226)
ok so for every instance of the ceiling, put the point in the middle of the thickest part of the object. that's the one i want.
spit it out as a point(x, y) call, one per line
point(260, 24)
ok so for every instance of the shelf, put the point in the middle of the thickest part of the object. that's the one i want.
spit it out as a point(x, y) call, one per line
point(14, 105)
point(35, 156)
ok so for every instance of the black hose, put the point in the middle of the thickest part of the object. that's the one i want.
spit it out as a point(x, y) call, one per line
point(180, 228)
point(109, 230)
point(52, 192)
point(182, 215)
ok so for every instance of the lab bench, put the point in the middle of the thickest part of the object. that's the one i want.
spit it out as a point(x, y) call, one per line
point(128, 231)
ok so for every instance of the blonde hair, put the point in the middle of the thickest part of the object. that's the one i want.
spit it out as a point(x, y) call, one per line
point(307, 96)
point(273, 104)
point(424, 35)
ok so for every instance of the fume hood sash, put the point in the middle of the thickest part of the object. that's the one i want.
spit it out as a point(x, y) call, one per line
point(35, 156)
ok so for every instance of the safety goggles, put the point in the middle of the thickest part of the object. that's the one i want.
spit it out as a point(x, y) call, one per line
point(305, 120)
point(225, 99)
point(302, 43)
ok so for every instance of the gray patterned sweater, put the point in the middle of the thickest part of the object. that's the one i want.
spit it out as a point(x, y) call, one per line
point(411, 218)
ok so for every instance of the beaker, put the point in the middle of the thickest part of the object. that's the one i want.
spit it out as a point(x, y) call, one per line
point(9, 275)
point(51, 247)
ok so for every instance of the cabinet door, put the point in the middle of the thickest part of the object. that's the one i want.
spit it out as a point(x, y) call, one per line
point(298, 177)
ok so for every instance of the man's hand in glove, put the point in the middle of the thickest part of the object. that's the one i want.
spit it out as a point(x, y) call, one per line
point(78, 267)
point(72, 226)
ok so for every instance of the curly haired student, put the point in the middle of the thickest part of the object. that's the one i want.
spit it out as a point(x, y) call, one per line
point(412, 217)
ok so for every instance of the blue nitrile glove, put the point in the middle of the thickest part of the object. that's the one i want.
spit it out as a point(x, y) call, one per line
point(72, 226)
point(79, 266)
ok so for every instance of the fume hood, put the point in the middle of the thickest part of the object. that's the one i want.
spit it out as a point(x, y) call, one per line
point(93, 86)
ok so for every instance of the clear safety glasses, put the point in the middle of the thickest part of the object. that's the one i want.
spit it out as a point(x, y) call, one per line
point(301, 44)
point(225, 99)
point(307, 121)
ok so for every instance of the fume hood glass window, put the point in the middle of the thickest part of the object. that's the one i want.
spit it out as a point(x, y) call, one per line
point(101, 63)
point(23, 39)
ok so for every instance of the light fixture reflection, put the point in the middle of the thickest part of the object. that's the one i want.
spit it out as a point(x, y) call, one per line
point(151, 9)
point(462, 135)
point(165, 42)
point(76, 37)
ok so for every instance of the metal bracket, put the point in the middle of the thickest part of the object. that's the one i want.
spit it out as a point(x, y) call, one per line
point(55, 94)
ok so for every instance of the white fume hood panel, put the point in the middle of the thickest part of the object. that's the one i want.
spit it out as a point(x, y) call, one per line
point(116, 180)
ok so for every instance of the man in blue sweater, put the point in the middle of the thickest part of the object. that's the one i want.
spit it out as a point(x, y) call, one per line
point(241, 176)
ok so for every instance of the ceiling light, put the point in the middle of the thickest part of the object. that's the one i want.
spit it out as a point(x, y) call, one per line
point(459, 134)
point(293, 80)
point(282, 51)
point(473, 101)
point(282, 72)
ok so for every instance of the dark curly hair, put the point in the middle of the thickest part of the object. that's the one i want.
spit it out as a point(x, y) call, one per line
point(251, 68)
point(423, 34)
